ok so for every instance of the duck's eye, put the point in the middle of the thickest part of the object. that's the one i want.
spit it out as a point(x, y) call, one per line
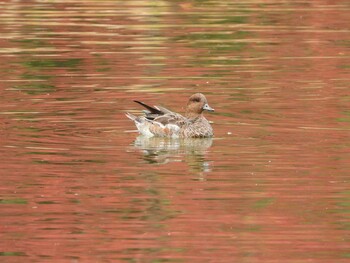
point(196, 100)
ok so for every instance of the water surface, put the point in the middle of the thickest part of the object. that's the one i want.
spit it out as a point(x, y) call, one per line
point(79, 185)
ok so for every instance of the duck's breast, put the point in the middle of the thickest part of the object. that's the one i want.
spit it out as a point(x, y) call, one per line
point(197, 129)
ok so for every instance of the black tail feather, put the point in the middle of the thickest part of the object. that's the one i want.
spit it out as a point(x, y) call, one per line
point(151, 109)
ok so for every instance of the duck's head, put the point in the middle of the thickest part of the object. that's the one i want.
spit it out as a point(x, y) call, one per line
point(197, 103)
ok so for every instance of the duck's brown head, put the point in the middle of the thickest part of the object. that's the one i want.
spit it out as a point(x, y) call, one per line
point(197, 103)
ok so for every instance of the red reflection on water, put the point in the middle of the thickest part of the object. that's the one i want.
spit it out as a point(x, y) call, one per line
point(77, 188)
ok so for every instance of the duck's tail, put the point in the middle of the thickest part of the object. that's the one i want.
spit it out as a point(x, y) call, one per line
point(131, 117)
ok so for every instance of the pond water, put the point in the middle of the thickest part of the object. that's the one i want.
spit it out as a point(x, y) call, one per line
point(80, 185)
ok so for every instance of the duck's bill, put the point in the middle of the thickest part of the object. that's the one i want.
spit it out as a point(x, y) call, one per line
point(207, 107)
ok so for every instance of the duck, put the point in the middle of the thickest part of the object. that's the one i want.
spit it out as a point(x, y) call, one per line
point(160, 122)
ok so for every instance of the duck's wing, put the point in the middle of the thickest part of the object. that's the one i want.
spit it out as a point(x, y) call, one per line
point(167, 125)
point(162, 115)
point(171, 118)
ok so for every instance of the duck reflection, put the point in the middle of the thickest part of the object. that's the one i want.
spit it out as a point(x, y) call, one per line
point(159, 150)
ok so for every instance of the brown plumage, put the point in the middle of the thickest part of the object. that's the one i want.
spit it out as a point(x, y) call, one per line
point(159, 121)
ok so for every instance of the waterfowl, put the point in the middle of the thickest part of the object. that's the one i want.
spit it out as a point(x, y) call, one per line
point(161, 122)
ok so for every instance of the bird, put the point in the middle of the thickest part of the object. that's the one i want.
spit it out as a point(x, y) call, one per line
point(161, 122)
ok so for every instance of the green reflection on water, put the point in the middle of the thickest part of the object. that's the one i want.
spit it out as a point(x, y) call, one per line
point(35, 88)
point(342, 42)
point(35, 76)
point(53, 63)
point(219, 45)
point(252, 228)
point(216, 42)
point(28, 129)
point(103, 69)
point(346, 118)
point(18, 201)
point(344, 203)
point(102, 62)
point(225, 61)
point(31, 42)
point(263, 203)
point(11, 254)
point(46, 202)
point(214, 36)
point(343, 225)
point(234, 20)
point(49, 153)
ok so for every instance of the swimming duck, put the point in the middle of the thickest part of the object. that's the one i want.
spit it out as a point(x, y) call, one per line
point(161, 122)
